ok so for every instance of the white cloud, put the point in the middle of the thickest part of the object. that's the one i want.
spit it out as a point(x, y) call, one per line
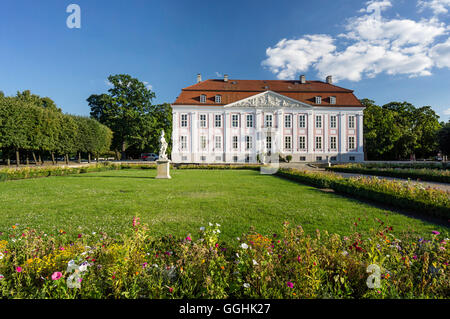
point(108, 83)
point(147, 85)
point(437, 6)
point(219, 75)
point(447, 111)
point(370, 45)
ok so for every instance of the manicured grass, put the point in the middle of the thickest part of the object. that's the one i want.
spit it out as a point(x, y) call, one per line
point(237, 199)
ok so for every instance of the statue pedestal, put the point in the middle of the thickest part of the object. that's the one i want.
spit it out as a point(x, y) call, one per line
point(163, 169)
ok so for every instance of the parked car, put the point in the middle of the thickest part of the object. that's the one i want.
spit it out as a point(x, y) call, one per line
point(149, 157)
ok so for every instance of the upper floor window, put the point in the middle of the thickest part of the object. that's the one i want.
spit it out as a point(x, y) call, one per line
point(351, 121)
point(268, 122)
point(203, 142)
point(184, 120)
point(248, 142)
point(287, 121)
point(318, 121)
point(249, 120)
point(302, 121)
point(218, 98)
point(333, 121)
point(235, 120)
point(332, 100)
point(202, 120)
point(203, 98)
point(218, 120)
point(318, 100)
point(218, 140)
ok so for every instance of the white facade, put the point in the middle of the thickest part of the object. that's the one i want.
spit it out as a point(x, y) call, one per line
point(245, 130)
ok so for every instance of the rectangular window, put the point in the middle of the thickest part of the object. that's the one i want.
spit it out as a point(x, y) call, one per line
point(203, 142)
point(302, 121)
point(249, 120)
point(269, 143)
point(218, 120)
point(351, 121)
point(302, 158)
point(203, 98)
point(318, 121)
point(247, 158)
point(218, 98)
point(352, 158)
point(219, 158)
point(203, 158)
point(235, 159)
point(183, 142)
point(333, 158)
point(302, 142)
point(287, 121)
point(268, 122)
point(184, 120)
point(318, 158)
point(318, 100)
point(202, 120)
point(318, 142)
point(333, 121)
point(351, 142)
point(235, 120)
point(333, 143)
point(332, 100)
point(248, 142)
point(287, 143)
point(235, 142)
point(218, 140)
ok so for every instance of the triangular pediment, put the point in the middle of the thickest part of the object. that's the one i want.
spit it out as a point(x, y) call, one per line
point(269, 99)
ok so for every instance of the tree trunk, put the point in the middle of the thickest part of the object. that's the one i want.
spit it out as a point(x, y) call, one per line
point(79, 157)
point(67, 159)
point(17, 158)
point(26, 159)
point(40, 158)
point(53, 158)
point(8, 161)
point(89, 158)
point(98, 155)
point(34, 158)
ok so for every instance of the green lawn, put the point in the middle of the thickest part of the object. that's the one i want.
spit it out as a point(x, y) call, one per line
point(237, 199)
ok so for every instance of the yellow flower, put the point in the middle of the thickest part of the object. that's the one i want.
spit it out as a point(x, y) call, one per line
point(203, 261)
point(30, 260)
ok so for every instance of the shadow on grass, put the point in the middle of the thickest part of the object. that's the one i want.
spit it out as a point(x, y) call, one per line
point(112, 176)
point(409, 213)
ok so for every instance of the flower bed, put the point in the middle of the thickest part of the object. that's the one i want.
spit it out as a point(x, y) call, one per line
point(426, 201)
point(426, 174)
point(288, 265)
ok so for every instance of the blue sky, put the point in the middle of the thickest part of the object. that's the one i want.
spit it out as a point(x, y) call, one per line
point(404, 53)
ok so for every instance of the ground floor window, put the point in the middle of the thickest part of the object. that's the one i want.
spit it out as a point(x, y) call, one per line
point(318, 142)
point(333, 144)
point(352, 159)
point(302, 158)
point(302, 142)
point(351, 142)
point(219, 142)
point(235, 142)
point(287, 142)
point(248, 142)
point(235, 159)
point(183, 142)
point(203, 142)
point(269, 143)
point(318, 158)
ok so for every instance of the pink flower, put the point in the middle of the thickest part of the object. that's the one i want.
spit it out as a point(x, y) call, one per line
point(79, 235)
point(56, 275)
point(435, 232)
point(170, 289)
point(290, 284)
point(299, 259)
point(144, 265)
point(188, 238)
point(19, 269)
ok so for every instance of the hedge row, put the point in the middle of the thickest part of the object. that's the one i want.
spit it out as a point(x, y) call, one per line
point(428, 201)
point(425, 174)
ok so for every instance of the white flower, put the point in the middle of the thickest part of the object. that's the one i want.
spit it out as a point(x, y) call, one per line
point(218, 225)
point(83, 253)
point(13, 240)
point(155, 265)
point(388, 256)
point(218, 231)
point(237, 255)
point(202, 228)
point(345, 253)
point(238, 239)
point(210, 224)
point(246, 285)
point(1, 256)
point(244, 246)
point(255, 262)
point(84, 266)
point(93, 233)
point(71, 263)
point(1, 276)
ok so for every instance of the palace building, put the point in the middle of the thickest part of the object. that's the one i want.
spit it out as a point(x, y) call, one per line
point(229, 121)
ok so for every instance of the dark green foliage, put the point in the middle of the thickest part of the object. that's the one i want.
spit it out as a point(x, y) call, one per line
point(444, 139)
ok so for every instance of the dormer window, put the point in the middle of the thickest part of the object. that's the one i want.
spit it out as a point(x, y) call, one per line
point(318, 100)
point(218, 98)
point(203, 98)
point(332, 100)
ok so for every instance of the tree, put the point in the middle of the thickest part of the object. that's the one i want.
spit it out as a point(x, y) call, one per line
point(36, 100)
point(444, 138)
point(123, 110)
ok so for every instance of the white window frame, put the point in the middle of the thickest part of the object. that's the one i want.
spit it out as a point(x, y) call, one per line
point(333, 143)
point(332, 100)
point(268, 120)
point(203, 142)
point(248, 142)
point(249, 120)
point(302, 142)
point(318, 142)
point(318, 121)
point(351, 121)
point(318, 100)
point(288, 120)
point(184, 120)
point(218, 142)
point(333, 121)
point(183, 142)
point(203, 120)
point(218, 119)
point(302, 121)
point(351, 143)
point(287, 142)
point(218, 98)
point(269, 143)
point(234, 120)
point(235, 142)
point(202, 98)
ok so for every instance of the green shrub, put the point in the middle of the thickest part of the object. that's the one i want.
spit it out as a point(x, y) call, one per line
point(3, 177)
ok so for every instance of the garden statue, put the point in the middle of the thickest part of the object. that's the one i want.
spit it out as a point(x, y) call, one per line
point(163, 163)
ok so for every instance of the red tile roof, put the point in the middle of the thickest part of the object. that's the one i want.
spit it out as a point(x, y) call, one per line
point(235, 90)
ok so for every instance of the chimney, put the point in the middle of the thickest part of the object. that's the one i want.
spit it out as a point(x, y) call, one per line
point(225, 78)
point(329, 79)
point(199, 77)
point(302, 79)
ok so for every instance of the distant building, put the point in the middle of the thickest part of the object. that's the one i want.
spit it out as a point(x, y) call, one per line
point(226, 121)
